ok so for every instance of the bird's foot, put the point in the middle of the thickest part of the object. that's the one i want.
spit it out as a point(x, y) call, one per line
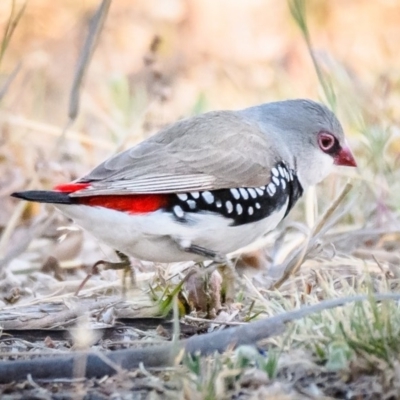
point(203, 252)
point(203, 288)
point(229, 276)
point(227, 267)
point(123, 264)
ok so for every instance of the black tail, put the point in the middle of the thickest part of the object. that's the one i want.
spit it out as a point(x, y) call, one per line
point(44, 196)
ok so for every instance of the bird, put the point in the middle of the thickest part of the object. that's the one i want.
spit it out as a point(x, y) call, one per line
point(208, 185)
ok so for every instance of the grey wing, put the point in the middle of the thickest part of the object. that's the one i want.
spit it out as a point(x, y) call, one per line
point(216, 150)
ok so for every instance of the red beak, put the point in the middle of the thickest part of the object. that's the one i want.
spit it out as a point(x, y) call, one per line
point(345, 157)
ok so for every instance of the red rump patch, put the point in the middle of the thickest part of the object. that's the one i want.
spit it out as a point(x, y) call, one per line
point(71, 187)
point(133, 204)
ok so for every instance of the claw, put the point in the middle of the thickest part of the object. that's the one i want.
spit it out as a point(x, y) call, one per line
point(124, 264)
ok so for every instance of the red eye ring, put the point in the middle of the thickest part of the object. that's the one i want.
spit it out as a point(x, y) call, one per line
point(326, 141)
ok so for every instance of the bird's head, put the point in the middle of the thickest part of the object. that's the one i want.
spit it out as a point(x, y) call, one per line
point(313, 136)
point(318, 142)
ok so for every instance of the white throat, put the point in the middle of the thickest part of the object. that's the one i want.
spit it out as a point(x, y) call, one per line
point(310, 172)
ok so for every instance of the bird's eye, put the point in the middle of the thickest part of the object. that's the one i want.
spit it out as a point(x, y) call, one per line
point(327, 142)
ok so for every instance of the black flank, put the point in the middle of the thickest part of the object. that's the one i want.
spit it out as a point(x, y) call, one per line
point(295, 192)
point(43, 196)
point(242, 205)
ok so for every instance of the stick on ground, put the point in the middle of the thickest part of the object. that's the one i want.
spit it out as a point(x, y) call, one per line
point(160, 356)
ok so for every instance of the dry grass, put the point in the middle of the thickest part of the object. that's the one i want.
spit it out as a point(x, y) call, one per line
point(153, 64)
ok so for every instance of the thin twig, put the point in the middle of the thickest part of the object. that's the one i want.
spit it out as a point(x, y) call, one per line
point(60, 318)
point(95, 27)
point(10, 78)
point(331, 209)
point(22, 122)
point(12, 23)
point(298, 11)
point(10, 227)
point(296, 259)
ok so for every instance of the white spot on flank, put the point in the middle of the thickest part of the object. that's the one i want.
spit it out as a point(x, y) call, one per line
point(252, 192)
point(250, 210)
point(275, 172)
point(218, 203)
point(182, 196)
point(283, 183)
point(208, 197)
point(179, 212)
point(281, 171)
point(287, 174)
point(235, 194)
point(260, 191)
point(195, 195)
point(244, 193)
point(191, 204)
point(229, 207)
point(275, 180)
point(185, 243)
point(239, 209)
point(271, 189)
point(258, 206)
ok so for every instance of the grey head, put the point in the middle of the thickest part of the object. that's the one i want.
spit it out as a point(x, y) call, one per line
point(305, 132)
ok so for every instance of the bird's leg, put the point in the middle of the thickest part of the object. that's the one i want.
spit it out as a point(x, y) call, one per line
point(124, 264)
point(229, 274)
point(203, 252)
point(228, 271)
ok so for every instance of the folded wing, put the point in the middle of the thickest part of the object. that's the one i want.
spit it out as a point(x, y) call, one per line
point(216, 150)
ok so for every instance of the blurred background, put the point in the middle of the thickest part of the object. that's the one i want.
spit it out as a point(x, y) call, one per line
point(157, 61)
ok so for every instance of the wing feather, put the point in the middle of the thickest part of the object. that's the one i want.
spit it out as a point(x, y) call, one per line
point(216, 150)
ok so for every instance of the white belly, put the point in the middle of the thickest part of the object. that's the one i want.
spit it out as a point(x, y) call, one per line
point(153, 236)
